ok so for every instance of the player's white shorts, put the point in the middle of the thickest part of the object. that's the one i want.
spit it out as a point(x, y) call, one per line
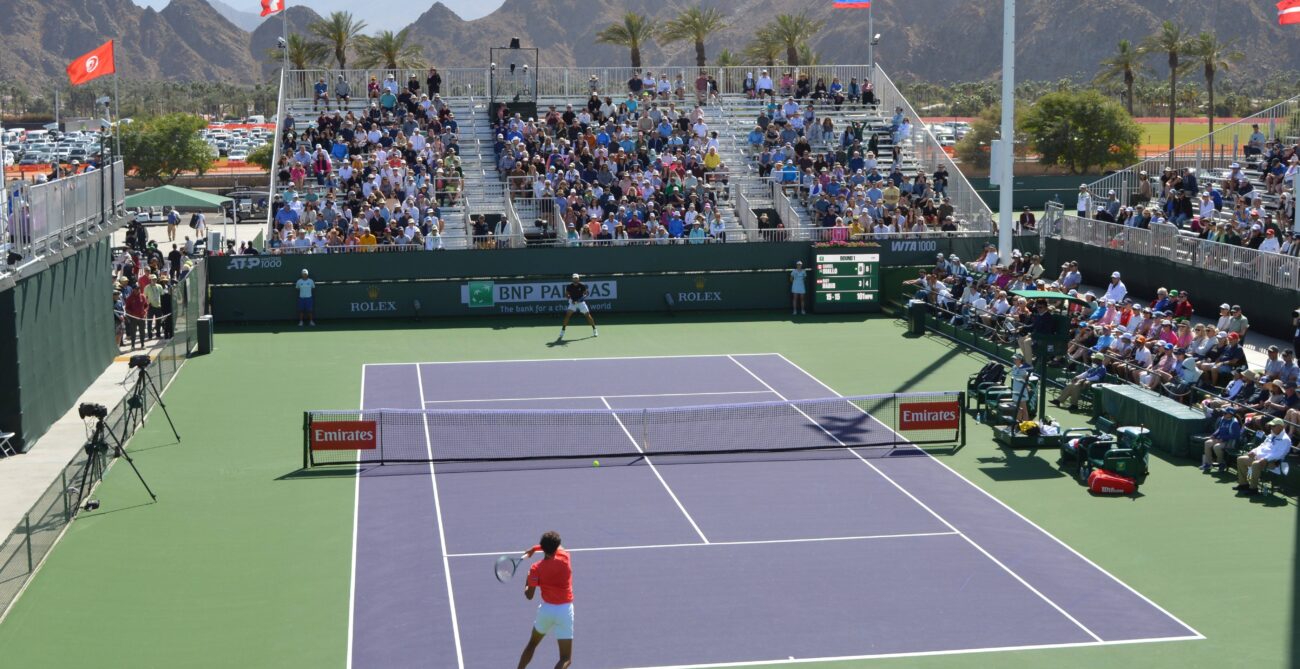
point(580, 307)
point(557, 618)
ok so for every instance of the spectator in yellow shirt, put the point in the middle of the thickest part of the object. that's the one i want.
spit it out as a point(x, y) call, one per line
point(890, 195)
point(368, 241)
point(712, 159)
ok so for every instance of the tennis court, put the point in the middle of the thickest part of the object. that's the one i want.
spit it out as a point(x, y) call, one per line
point(723, 559)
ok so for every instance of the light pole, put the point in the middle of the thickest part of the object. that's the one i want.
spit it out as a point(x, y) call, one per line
point(1006, 157)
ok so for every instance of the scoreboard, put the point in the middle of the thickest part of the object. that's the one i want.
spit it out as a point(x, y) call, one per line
point(846, 282)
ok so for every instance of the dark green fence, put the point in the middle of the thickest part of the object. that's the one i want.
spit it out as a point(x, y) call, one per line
point(56, 337)
point(1268, 308)
point(530, 281)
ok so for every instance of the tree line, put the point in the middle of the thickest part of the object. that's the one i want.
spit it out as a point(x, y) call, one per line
point(785, 35)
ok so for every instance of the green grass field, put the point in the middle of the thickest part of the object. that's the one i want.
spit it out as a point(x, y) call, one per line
point(238, 566)
point(1156, 135)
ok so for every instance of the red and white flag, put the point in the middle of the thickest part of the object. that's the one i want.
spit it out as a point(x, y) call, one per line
point(270, 7)
point(1288, 12)
point(93, 65)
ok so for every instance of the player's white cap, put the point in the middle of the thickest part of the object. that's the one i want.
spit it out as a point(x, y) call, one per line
point(575, 276)
point(304, 271)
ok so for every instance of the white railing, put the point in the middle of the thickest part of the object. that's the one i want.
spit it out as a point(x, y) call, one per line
point(745, 215)
point(514, 225)
point(785, 210)
point(47, 217)
point(1165, 241)
point(566, 83)
point(1216, 151)
point(929, 155)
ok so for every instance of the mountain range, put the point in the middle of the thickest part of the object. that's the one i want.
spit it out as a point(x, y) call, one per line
point(931, 40)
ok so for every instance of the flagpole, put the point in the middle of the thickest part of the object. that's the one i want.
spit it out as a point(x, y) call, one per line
point(117, 118)
point(871, 42)
point(279, 126)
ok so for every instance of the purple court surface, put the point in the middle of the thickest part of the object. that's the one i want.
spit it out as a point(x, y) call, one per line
point(704, 561)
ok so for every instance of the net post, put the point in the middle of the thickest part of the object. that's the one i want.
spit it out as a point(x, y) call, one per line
point(379, 435)
point(306, 440)
point(961, 428)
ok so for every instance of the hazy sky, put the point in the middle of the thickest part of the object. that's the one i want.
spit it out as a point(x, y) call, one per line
point(378, 15)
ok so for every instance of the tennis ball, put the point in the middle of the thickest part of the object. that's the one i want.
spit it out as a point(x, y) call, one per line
point(595, 463)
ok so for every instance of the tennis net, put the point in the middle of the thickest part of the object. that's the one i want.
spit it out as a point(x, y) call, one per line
point(380, 436)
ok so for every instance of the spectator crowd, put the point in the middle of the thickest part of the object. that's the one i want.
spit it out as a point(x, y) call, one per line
point(370, 174)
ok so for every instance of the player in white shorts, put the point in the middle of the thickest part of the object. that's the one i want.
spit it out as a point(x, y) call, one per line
point(577, 293)
point(554, 576)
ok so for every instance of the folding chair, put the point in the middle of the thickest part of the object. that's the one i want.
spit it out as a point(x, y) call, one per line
point(6, 445)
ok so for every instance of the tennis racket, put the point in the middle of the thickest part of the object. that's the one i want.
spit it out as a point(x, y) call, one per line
point(506, 566)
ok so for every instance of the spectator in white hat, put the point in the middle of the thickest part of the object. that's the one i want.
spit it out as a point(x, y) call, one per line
point(1116, 291)
point(1084, 205)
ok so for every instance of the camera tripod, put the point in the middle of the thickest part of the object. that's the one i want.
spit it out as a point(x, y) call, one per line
point(136, 402)
point(96, 462)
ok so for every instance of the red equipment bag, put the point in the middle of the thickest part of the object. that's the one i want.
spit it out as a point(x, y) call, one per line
point(1102, 482)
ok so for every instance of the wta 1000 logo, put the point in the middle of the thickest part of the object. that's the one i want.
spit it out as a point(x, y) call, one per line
point(929, 416)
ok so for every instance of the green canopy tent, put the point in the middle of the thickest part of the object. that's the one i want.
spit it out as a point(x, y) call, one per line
point(176, 198)
point(179, 198)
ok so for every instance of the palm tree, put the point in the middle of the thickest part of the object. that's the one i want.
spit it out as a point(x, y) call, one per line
point(1173, 41)
point(303, 53)
point(793, 31)
point(388, 50)
point(634, 32)
point(1124, 66)
point(808, 57)
point(693, 24)
point(764, 48)
point(338, 32)
point(725, 61)
point(1215, 57)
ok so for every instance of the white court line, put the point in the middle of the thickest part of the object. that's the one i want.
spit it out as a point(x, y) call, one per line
point(757, 542)
point(925, 653)
point(596, 397)
point(356, 525)
point(613, 357)
point(1004, 505)
point(442, 537)
point(654, 469)
point(940, 518)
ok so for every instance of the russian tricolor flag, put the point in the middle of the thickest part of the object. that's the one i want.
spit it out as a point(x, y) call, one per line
point(862, 4)
point(1288, 12)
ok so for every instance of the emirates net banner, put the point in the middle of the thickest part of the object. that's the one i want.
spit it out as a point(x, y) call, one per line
point(929, 416)
point(351, 435)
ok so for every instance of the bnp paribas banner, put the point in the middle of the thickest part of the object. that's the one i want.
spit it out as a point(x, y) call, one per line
point(533, 298)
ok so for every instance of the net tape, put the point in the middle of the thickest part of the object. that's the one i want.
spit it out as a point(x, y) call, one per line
point(484, 435)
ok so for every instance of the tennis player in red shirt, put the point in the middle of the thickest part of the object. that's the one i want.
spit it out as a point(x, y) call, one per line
point(555, 577)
